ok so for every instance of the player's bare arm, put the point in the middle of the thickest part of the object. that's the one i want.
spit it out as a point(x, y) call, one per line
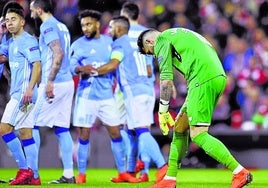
point(3, 28)
point(109, 67)
point(166, 89)
point(3, 58)
point(35, 78)
point(57, 52)
point(86, 69)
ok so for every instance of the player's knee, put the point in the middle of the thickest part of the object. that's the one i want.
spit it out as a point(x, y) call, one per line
point(25, 133)
point(195, 131)
point(84, 133)
point(181, 123)
point(114, 132)
point(4, 129)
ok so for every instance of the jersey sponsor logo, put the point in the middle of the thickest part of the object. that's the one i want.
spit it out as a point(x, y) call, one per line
point(13, 64)
point(97, 64)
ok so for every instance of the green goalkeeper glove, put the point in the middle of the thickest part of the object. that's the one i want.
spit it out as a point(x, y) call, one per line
point(165, 120)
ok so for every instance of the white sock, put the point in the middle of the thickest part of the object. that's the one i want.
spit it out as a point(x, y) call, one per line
point(238, 169)
point(169, 178)
point(68, 173)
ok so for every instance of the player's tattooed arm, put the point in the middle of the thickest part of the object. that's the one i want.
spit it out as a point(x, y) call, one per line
point(166, 89)
point(57, 55)
point(57, 52)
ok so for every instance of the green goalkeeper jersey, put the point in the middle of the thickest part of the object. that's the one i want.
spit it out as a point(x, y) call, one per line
point(190, 53)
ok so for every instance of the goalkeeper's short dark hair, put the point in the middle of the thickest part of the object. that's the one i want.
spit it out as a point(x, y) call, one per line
point(90, 13)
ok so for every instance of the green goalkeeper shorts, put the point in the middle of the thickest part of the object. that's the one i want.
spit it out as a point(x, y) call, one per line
point(202, 99)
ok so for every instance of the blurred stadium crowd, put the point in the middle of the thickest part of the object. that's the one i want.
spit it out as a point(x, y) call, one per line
point(237, 28)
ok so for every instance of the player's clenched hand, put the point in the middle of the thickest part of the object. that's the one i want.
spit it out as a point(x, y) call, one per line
point(88, 69)
point(165, 120)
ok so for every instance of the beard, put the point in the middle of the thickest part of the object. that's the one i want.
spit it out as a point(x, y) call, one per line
point(92, 35)
point(114, 37)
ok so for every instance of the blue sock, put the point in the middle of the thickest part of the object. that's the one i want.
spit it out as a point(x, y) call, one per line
point(15, 147)
point(36, 136)
point(149, 146)
point(66, 147)
point(118, 151)
point(31, 155)
point(82, 155)
point(126, 141)
point(146, 161)
point(133, 150)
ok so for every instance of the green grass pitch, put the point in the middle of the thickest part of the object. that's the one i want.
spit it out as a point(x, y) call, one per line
point(187, 178)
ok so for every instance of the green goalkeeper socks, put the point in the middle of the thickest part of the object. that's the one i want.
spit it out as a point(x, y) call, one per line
point(216, 149)
point(178, 149)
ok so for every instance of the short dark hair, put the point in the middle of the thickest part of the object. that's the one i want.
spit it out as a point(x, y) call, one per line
point(123, 21)
point(131, 9)
point(46, 5)
point(90, 13)
point(13, 6)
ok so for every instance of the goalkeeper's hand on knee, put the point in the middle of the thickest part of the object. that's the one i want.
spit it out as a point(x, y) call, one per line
point(165, 120)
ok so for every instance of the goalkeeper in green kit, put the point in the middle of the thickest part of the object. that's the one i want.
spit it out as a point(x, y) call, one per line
point(193, 56)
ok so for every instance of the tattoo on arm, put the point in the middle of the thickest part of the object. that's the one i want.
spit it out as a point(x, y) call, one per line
point(166, 88)
point(57, 55)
